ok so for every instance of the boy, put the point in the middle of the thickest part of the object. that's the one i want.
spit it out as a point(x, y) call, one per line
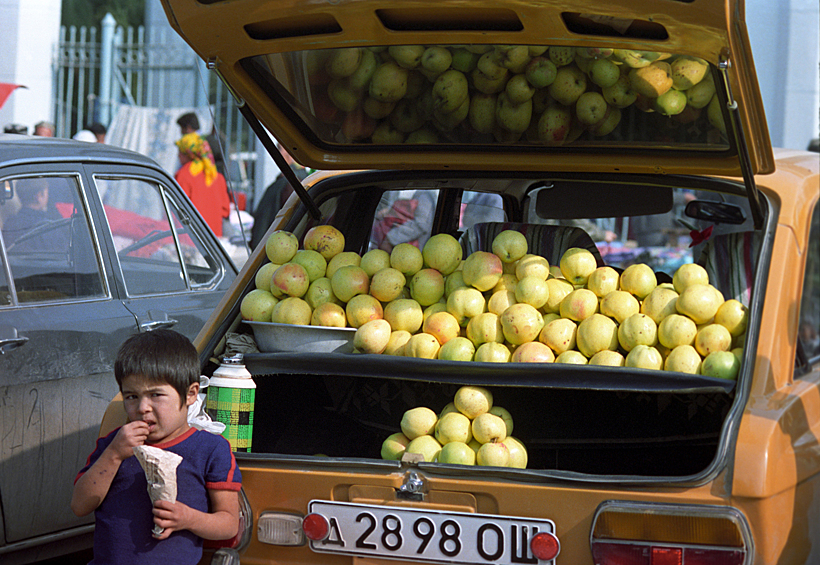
point(158, 376)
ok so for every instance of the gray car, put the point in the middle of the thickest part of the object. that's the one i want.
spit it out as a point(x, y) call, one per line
point(97, 243)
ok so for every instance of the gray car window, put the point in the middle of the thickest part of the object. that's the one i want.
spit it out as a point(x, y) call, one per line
point(48, 242)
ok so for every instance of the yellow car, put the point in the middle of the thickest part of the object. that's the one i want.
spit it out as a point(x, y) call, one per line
point(674, 418)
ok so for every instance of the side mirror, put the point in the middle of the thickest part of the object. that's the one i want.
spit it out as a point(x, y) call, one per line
point(715, 212)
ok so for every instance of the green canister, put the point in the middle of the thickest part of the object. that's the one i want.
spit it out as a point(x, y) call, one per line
point(230, 400)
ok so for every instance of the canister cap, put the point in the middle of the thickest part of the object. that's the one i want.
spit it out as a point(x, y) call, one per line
point(237, 359)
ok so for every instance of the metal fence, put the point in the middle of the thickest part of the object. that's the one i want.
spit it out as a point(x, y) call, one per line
point(97, 71)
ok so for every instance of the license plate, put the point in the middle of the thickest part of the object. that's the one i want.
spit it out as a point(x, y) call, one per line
point(432, 536)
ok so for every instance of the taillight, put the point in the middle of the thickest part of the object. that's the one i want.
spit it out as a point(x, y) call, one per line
point(243, 536)
point(627, 533)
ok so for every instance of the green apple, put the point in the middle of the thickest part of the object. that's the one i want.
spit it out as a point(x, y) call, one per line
point(263, 276)
point(386, 134)
point(457, 349)
point(394, 446)
point(561, 56)
point(699, 95)
point(714, 114)
point(364, 72)
point(591, 108)
point(540, 72)
point(257, 305)
point(457, 453)
point(377, 109)
point(427, 286)
point(513, 57)
point(389, 82)
point(487, 84)
point(406, 116)
point(688, 71)
point(519, 89)
point(425, 445)
point(436, 59)
point(319, 292)
point(343, 62)
point(570, 82)
point(621, 94)
point(450, 91)
point(463, 60)
point(720, 364)
point(312, 261)
point(608, 124)
point(511, 116)
point(604, 72)
point(670, 103)
point(408, 56)
point(482, 112)
point(490, 63)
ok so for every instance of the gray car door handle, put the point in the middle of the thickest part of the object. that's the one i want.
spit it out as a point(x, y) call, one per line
point(158, 324)
point(12, 343)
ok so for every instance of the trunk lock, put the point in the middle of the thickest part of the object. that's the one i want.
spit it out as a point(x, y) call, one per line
point(412, 488)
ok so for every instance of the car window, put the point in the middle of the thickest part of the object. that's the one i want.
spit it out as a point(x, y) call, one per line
point(47, 241)
point(148, 250)
point(403, 216)
point(809, 328)
point(477, 207)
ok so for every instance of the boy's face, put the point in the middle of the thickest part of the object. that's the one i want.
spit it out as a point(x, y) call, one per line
point(159, 405)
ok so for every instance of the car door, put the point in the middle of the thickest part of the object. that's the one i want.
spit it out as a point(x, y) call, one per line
point(60, 325)
point(170, 266)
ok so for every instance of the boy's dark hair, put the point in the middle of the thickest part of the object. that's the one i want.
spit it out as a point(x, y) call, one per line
point(97, 128)
point(159, 356)
point(188, 120)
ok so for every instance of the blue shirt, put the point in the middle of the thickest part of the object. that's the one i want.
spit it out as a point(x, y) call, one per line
point(124, 519)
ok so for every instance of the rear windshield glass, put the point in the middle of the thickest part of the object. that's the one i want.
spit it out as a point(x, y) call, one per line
point(496, 94)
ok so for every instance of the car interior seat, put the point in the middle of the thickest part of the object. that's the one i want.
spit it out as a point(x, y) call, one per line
point(547, 240)
point(730, 259)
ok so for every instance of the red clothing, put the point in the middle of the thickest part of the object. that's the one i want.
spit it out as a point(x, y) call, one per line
point(211, 201)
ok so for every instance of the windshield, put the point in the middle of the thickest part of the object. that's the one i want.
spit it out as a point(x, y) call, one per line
point(510, 95)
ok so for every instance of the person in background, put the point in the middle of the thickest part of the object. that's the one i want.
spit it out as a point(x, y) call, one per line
point(44, 129)
point(33, 212)
point(273, 199)
point(99, 131)
point(200, 180)
point(189, 123)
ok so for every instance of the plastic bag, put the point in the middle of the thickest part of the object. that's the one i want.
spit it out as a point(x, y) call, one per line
point(197, 416)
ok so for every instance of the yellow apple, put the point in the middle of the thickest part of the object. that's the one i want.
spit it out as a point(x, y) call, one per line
point(700, 302)
point(442, 252)
point(457, 349)
point(492, 352)
point(441, 325)
point(521, 323)
point(508, 281)
point(683, 359)
point(404, 314)
point(638, 329)
point(473, 400)
point(559, 288)
point(578, 305)
point(638, 279)
point(482, 270)
point(660, 303)
point(329, 314)
point(281, 246)
point(532, 352)
point(619, 305)
point(712, 337)
point(387, 284)
point(340, 260)
point(257, 305)
point(465, 303)
point(518, 453)
point(500, 301)
point(418, 421)
point(406, 258)
point(596, 333)
point(374, 261)
point(453, 426)
point(559, 335)
point(325, 239)
point(372, 336)
point(396, 343)
point(675, 330)
point(363, 308)
point(457, 453)
point(510, 245)
point(571, 357)
point(312, 261)
point(291, 279)
point(532, 290)
point(644, 357)
point(264, 275)
point(422, 345)
point(427, 286)
point(687, 275)
point(484, 328)
point(394, 446)
point(532, 266)
point(607, 357)
point(349, 281)
point(733, 315)
point(493, 455)
point(291, 310)
point(577, 264)
point(602, 281)
point(488, 428)
point(426, 446)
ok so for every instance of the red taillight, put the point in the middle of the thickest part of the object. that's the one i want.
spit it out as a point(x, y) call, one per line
point(316, 527)
point(545, 546)
point(637, 553)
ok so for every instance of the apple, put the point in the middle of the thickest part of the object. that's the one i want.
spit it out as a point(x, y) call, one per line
point(374, 261)
point(638, 279)
point(484, 328)
point(396, 343)
point(427, 286)
point(569, 84)
point(577, 264)
point(638, 329)
point(510, 245)
point(688, 71)
point(532, 352)
point(492, 352)
point(436, 59)
point(343, 62)
point(488, 428)
point(482, 270)
point(407, 259)
point(733, 315)
point(500, 301)
point(432, 309)
point(493, 455)
point(644, 357)
point(291, 310)
point(442, 252)
point(291, 279)
point(596, 333)
point(482, 112)
point(561, 56)
point(404, 314)
point(619, 305)
point(603, 280)
point(519, 89)
point(281, 246)
point(418, 421)
point(408, 56)
point(530, 265)
point(590, 108)
point(441, 325)
point(388, 83)
point(721, 365)
point(700, 302)
point(473, 401)
point(670, 103)
point(394, 446)
point(660, 303)
point(363, 308)
point(325, 239)
point(319, 292)
point(687, 275)
point(683, 359)
point(257, 305)
point(263, 276)
point(532, 290)
point(465, 303)
point(521, 323)
point(712, 337)
point(449, 407)
point(607, 357)
point(349, 281)
point(559, 288)
point(604, 72)
point(372, 336)
point(457, 453)
point(578, 305)
point(699, 95)
point(510, 116)
point(341, 260)
point(621, 94)
point(423, 346)
point(425, 445)
point(518, 453)
point(554, 124)
point(675, 330)
point(329, 314)
point(540, 72)
point(453, 426)
point(506, 282)
point(653, 80)
point(453, 281)
point(457, 349)
point(387, 284)
point(463, 60)
point(377, 109)
point(559, 335)
point(571, 357)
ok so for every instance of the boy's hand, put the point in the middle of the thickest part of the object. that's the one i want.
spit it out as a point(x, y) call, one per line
point(171, 516)
point(130, 436)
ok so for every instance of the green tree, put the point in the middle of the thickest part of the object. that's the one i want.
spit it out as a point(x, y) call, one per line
point(89, 13)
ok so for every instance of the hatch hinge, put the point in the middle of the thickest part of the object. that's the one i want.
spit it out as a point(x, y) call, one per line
point(736, 128)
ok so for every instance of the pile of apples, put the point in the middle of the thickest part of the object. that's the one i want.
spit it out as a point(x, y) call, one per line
point(500, 305)
point(476, 93)
point(470, 430)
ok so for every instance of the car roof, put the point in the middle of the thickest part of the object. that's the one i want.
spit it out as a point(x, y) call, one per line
point(19, 149)
point(262, 50)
